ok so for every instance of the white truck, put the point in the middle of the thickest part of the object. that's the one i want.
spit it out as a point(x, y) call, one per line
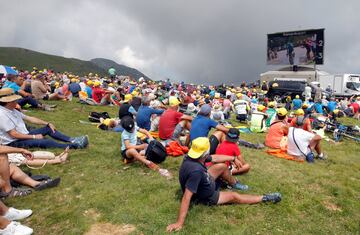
point(341, 84)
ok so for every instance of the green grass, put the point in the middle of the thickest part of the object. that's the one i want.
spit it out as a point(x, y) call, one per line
point(320, 198)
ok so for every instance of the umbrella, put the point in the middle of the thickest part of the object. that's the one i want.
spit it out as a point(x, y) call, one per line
point(5, 70)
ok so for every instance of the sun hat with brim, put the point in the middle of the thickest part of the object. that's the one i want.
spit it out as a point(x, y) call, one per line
point(233, 135)
point(7, 95)
point(199, 146)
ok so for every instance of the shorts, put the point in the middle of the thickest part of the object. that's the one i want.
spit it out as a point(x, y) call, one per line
point(214, 142)
point(241, 117)
point(123, 154)
point(46, 97)
point(210, 201)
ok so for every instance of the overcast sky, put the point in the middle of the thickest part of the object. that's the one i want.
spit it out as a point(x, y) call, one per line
point(192, 41)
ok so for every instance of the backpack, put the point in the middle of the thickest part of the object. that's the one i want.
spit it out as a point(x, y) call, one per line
point(95, 116)
point(155, 152)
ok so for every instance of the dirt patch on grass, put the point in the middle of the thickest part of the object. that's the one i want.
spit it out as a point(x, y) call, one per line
point(110, 229)
point(331, 206)
point(92, 213)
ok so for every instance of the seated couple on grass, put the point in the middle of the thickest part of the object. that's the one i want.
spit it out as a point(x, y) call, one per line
point(296, 140)
point(202, 185)
point(13, 130)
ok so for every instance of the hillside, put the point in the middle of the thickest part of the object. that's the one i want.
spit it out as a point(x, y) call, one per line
point(26, 59)
point(120, 69)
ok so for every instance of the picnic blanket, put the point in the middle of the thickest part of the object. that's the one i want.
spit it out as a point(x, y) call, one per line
point(282, 154)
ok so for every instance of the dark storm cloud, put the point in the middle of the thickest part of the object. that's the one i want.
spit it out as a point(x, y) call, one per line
point(195, 41)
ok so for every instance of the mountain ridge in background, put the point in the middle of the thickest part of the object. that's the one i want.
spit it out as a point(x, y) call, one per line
point(26, 59)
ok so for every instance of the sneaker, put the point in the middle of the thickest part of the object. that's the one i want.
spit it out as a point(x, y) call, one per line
point(80, 142)
point(15, 228)
point(322, 156)
point(272, 197)
point(15, 214)
point(239, 186)
point(166, 173)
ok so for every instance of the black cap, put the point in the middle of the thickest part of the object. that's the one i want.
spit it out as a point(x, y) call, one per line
point(233, 135)
point(127, 123)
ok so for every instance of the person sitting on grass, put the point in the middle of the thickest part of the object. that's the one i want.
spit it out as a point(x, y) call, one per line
point(301, 143)
point(130, 149)
point(229, 147)
point(13, 130)
point(301, 121)
point(276, 136)
point(143, 117)
point(16, 83)
point(9, 217)
point(11, 171)
point(202, 124)
point(40, 89)
point(199, 184)
point(172, 122)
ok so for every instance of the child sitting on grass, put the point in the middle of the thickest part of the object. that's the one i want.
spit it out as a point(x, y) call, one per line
point(229, 147)
point(130, 149)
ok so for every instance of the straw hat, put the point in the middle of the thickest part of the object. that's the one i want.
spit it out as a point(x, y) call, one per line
point(7, 95)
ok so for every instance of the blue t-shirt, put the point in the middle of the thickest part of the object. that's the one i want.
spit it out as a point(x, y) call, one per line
point(318, 108)
point(88, 91)
point(194, 176)
point(13, 86)
point(332, 105)
point(144, 114)
point(201, 126)
point(297, 103)
point(74, 88)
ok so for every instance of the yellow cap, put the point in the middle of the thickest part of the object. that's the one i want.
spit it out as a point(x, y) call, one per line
point(207, 96)
point(173, 101)
point(297, 97)
point(299, 112)
point(217, 95)
point(128, 97)
point(239, 95)
point(271, 104)
point(281, 111)
point(90, 83)
point(336, 111)
point(73, 80)
point(97, 83)
point(199, 146)
point(111, 84)
point(260, 107)
point(305, 105)
point(135, 93)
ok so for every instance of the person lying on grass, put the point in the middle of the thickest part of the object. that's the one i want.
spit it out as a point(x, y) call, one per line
point(13, 130)
point(229, 147)
point(11, 171)
point(130, 149)
point(40, 158)
point(199, 184)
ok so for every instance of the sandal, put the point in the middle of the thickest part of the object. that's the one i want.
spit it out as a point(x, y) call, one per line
point(50, 183)
point(16, 192)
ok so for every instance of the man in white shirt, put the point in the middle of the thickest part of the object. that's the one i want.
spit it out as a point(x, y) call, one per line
point(301, 143)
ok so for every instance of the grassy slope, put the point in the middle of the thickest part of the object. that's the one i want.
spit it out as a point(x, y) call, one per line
point(321, 198)
point(26, 59)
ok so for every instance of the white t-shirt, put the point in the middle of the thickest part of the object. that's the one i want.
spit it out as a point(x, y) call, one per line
point(11, 119)
point(302, 138)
